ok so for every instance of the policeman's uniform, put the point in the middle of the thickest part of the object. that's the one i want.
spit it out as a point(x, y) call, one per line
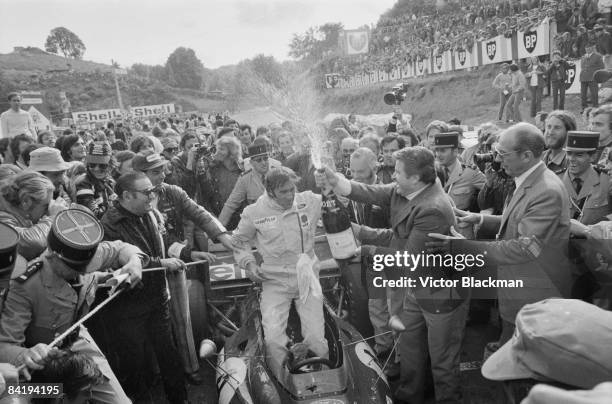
point(590, 193)
point(8, 256)
point(280, 236)
point(462, 182)
point(249, 186)
point(41, 305)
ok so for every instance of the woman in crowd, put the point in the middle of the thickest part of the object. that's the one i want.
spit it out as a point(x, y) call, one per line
point(142, 143)
point(217, 181)
point(72, 148)
point(27, 205)
point(18, 144)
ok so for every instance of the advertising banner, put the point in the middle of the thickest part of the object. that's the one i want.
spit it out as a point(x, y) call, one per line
point(534, 42)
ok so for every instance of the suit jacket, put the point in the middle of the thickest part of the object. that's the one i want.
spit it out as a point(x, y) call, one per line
point(531, 245)
point(589, 65)
point(411, 221)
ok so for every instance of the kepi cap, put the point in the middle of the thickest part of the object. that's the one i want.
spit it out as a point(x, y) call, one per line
point(581, 141)
point(74, 237)
point(562, 340)
point(8, 249)
point(448, 139)
point(148, 161)
point(258, 150)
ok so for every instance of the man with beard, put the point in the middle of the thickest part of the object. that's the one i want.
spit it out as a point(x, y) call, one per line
point(389, 145)
point(558, 124)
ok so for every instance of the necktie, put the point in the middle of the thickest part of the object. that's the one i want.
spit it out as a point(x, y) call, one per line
point(577, 185)
point(446, 177)
point(511, 189)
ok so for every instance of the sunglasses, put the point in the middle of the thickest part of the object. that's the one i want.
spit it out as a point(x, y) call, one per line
point(93, 166)
point(171, 150)
point(260, 159)
point(146, 192)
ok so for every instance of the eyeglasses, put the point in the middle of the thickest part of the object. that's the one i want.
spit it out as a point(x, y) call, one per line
point(146, 192)
point(171, 150)
point(93, 166)
point(503, 154)
point(259, 159)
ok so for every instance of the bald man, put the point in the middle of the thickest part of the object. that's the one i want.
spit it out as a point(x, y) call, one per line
point(347, 147)
point(532, 232)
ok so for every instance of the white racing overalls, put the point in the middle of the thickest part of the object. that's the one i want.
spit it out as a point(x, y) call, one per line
point(281, 237)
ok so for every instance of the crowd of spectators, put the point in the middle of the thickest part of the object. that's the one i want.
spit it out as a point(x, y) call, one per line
point(407, 38)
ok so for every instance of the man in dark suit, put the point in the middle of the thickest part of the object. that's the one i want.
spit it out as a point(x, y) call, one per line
point(434, 316)
point(589, 64)
point(532, 232)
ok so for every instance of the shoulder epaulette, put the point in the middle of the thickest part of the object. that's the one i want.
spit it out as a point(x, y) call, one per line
point(32, 269)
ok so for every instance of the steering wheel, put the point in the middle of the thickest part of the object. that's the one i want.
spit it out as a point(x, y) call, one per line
point(311, 361)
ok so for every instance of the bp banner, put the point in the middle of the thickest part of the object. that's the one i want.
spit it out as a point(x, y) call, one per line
point(422, 67)
point(572, 83)
point(356, 41)
point(496, 50)
point(331, 81)
point(442, 62)
point(465, 58)
point(534, 42)
point(407, 70)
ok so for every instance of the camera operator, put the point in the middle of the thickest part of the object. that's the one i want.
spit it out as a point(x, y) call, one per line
point(389, 145)
point(485, 133)
point(498, 185)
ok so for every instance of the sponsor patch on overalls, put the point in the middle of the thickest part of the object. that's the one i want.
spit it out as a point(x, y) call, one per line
point(304, 222)
point(264, 222)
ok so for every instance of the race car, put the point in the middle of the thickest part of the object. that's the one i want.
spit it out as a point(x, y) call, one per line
point(352, 374)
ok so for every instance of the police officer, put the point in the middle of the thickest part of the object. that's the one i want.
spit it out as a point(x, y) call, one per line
point(8, 256)
point(52, 292)
point(589, 188)
point(282, 224)
point(250, 185)
point(461, 182)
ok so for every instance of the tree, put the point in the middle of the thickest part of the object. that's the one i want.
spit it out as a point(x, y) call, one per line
point(315, 42)
point(184, 69)
point(63, 40)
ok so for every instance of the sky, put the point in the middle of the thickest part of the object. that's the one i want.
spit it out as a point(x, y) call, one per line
point(221, 32)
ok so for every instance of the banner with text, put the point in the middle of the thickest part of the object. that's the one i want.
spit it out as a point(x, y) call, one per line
point(465, 58)
point(534, 42)
point(104, 115)
point(572, 83)
point(442, 62)
point(496, 50)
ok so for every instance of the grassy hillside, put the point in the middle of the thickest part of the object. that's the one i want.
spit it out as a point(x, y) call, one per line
point(89, 85)
point(465, 95)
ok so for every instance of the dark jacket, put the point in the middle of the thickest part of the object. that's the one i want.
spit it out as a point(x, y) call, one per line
point(145, 233)
point(94, 194)
point(589, 65)
point(176, 207)
point(558, 71)
point(301, 163)
point(215, 184)
point(181, 176)
point(411, 221)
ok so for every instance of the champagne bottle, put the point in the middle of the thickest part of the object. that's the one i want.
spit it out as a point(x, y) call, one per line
point(337, 225)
